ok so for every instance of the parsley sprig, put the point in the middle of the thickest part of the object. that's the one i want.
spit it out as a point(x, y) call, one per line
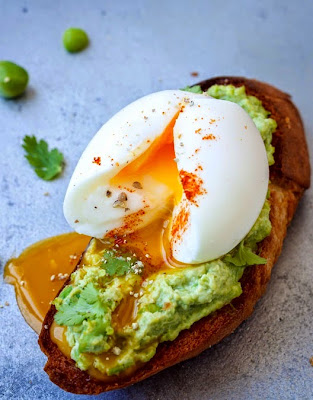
point(47, 164)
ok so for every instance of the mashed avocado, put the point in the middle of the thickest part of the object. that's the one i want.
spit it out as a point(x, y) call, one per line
point(114, 311)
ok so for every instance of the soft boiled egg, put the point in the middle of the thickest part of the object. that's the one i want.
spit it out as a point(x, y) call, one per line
point(198, 161)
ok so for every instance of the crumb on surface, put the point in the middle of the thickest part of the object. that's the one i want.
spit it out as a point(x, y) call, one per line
point(61, 276)
point(116, 350)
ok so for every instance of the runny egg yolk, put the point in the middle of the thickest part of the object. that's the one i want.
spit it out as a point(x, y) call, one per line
point(157, 162)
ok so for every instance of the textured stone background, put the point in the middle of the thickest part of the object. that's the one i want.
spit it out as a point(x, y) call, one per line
point(138, 47)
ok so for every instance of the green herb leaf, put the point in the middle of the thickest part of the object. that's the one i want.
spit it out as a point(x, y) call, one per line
point(66, 291)
point(89, 294)
point(68, 315)
point(193, 89)
point(115, 265)
point(244, 256)
point(87, 305)
point(47, 164)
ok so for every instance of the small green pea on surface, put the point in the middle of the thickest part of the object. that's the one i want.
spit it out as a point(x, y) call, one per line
point(75, 40)
point(13, 79)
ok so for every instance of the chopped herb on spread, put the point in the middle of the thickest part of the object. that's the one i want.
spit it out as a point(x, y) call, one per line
point(47, 164)
point(83, 307)
point(117, 265)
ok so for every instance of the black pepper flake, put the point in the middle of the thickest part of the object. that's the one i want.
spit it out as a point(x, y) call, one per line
point(119, 203)
point(108, 193)
point(137, 185)
point(122, 197)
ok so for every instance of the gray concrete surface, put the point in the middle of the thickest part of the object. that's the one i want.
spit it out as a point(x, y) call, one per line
point(138, 47)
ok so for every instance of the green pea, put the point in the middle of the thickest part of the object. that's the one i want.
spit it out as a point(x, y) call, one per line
point(13, 79)
point(75, 40)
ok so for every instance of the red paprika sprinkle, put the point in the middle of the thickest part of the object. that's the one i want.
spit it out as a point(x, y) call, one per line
point(180, 223)
point(209, 137)
point(97, 160)
point(192, 185)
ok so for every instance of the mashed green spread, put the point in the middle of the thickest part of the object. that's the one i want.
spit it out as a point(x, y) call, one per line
point(167, 301)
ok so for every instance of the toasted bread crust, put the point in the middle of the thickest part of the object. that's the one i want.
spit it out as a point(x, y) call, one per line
point(290, 176)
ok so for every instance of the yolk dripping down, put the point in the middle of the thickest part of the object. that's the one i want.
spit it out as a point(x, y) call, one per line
point(40, 271)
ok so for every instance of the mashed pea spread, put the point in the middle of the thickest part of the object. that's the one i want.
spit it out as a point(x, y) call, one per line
point(116, 313)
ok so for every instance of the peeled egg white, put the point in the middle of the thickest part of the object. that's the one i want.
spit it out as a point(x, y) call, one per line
point(218, 142)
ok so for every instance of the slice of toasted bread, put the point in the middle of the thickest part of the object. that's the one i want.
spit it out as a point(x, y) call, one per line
point(290, 176)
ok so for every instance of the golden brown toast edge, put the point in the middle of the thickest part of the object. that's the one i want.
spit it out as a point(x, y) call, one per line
point(290, 176)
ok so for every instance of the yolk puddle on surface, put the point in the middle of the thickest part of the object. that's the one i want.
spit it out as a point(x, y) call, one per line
point(32, 273)
point(57, 334)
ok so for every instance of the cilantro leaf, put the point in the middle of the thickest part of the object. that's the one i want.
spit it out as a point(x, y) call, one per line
point(244, 256)
point(87, 305)
point(193, 89)
point(89, 294)
point(68, 315)
point(66, 291)
point(116, 265)
point(47, 164)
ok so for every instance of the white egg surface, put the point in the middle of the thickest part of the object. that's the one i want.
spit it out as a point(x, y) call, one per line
point(197, 162)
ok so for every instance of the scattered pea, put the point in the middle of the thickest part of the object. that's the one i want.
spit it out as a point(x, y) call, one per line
point(75, 40)
point(13, 79)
